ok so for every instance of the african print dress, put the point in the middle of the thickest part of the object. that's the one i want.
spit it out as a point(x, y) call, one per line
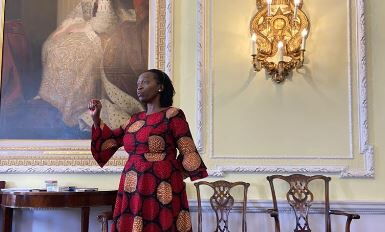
point(152, 195)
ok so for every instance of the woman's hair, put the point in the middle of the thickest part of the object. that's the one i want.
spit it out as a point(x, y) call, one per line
point(168, 89)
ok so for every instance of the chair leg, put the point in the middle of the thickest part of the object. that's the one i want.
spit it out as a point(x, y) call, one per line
point(348, 222)
point(104, 223)
point(277, 226)
point(105, 226)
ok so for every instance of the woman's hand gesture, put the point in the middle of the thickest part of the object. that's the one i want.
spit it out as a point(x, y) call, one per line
point(95, 106)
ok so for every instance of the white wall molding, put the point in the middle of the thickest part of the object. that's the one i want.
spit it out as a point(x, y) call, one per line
point(222, 170)
point(261, 206)
point(60, 169)
point(372, 217)
point(201, 63)
point(169, 40)
point(205, 93)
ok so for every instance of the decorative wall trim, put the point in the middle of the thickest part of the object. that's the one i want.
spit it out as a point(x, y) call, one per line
point(203, 84)
point(164, 22)
point(222, 170)
point(73, 156)
point(365, 148)
point(84, 169)
point(58, 161)
point(372, 217)
point(363, 114)
point(169, 42)
point(160, 35)
point(261, 206)
point(201, 41)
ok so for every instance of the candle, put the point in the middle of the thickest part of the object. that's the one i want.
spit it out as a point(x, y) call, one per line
point(280, 51)
point(304, 34)
point(269, 7)
point(253, 43)
point(296, 4)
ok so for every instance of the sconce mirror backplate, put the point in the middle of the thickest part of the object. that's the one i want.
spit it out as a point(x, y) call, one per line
point(279, 30)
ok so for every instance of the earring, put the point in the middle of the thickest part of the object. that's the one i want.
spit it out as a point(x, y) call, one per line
point(159, 90)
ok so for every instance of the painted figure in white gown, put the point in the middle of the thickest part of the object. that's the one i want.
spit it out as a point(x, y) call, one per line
point(73, 70)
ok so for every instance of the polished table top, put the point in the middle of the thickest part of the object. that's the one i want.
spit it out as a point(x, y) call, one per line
point(83, 200)
point(57, 199)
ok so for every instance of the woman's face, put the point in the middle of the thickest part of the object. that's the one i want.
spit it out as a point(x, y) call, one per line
point(148, 88)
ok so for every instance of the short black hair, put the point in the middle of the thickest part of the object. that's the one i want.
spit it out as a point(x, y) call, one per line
point(166, 96)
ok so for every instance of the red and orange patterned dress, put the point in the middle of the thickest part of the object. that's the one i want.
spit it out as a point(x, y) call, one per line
point(152, 195)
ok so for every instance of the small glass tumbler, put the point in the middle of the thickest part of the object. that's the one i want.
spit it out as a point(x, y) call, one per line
point(51, 185)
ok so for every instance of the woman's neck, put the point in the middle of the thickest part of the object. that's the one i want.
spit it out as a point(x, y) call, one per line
point(153, 108)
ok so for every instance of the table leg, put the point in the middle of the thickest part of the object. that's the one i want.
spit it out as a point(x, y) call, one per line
point(7, 219)
point(85, 218)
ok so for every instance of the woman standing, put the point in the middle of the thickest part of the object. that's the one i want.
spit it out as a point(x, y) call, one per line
point(152, 195)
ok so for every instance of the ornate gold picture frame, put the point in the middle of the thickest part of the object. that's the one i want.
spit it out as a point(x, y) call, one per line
point(30, 155)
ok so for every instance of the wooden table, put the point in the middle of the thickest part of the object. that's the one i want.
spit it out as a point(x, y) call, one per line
point(83, 200)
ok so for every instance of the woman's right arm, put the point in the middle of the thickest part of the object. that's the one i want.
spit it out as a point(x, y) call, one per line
point(104, 141)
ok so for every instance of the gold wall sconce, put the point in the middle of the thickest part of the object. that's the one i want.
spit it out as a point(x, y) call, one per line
point(279, 30)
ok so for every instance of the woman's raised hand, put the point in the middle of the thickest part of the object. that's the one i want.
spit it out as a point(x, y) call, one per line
point(95, 106)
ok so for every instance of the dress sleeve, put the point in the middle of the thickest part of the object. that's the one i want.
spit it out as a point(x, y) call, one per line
point(189, 157)
point(105, 142)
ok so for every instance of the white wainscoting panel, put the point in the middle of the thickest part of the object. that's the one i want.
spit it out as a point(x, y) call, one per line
point(64, 220)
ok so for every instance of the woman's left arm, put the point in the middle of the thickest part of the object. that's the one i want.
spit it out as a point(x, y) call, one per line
point(189, 157)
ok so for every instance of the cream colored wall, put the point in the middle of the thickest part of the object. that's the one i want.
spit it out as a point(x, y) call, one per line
point(280, 117)
point(342, 189)
point(184, 78)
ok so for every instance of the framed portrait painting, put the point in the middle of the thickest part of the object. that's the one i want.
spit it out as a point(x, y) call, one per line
point(59, 54)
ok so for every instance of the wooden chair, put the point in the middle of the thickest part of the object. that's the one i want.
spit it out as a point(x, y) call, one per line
point(103, 218)
point(222, 202)
point(300, 198)
point(2, 185)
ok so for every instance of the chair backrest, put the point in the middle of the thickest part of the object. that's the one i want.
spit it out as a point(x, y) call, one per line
point(300, 198)
point(222, 202)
